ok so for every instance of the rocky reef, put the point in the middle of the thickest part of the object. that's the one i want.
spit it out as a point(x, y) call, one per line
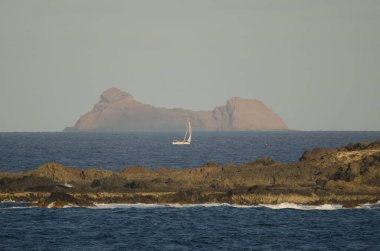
point(349, 176)
point(119, 111)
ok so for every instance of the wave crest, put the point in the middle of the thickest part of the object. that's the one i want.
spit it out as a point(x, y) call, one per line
point(275, 207)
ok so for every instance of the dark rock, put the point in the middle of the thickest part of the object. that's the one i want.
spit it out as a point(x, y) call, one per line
point(259, 189)
point(135, 185)
point(266, 161)
point(357, 146)
point(345, 174)
point(321, 183)
point(60, 199)
point(26, 183)
point(189, 196)
point(328, 173)
point(208, 164)
point(317, 154)
point(96, 184)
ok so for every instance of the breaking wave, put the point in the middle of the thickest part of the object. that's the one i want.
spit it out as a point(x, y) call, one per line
point(18, 205)
point(375, 205)
point(303, 207)
point(275, 207)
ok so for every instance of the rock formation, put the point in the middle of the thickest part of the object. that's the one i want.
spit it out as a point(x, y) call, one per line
point(349, 176)
point(119, 111)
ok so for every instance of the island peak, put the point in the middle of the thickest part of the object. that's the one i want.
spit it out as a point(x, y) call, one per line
point(119, 111)
point(114, 94)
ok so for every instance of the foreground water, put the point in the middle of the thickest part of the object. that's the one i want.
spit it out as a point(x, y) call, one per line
point(162, 227)
point(188, 228)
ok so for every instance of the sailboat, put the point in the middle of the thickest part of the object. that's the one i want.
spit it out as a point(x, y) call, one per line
point(187, 139)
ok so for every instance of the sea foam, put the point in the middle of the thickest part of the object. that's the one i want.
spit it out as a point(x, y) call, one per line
point(271, 206)
point(303, 207)
point(376, 205)
point(277, 206)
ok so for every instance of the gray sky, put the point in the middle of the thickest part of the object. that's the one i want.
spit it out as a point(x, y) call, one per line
point(315, 63)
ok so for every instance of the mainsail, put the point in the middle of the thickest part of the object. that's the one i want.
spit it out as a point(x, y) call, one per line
point(187, 139)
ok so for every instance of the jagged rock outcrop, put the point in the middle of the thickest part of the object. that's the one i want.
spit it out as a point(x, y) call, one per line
point(61, 199)
point(348, 176)
point(119, 111)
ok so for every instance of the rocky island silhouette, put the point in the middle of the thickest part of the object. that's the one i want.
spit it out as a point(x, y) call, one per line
point(119, 111)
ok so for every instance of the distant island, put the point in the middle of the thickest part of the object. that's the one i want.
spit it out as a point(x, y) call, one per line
point(119, 111)
point(349, 176)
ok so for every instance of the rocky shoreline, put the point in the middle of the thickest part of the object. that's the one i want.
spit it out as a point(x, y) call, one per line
point(349, 176)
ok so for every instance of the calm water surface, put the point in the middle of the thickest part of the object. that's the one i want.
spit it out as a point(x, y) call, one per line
point(25, 151)
point(188, 228)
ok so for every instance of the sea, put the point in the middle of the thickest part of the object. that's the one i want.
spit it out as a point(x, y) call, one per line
point(179, 227)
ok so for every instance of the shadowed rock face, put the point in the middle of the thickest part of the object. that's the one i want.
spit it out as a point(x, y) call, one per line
point(61, 199)
point(349, 176)
point(119, 111)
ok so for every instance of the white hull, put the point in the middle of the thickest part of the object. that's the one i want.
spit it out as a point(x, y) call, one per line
point(180, 143)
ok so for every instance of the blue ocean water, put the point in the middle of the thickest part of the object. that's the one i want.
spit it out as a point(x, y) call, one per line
point(188, 228)
point(26, 151)
point(160, 227)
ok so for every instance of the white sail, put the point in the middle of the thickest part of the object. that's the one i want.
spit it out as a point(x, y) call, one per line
point(189, 129)
point(187, 139)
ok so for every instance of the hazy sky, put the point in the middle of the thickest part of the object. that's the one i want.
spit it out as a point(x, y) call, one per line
point(315, 63)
